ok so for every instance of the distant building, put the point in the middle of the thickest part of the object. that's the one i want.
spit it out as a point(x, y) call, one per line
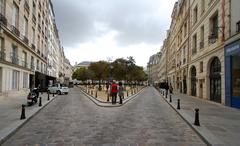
point(84, 64)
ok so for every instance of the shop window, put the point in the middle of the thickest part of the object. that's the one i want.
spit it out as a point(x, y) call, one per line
point(236, 76)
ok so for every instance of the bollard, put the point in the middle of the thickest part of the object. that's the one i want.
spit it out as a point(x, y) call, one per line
point(166, 95)
point(96, 94)
point(23, 113)
point(92, 92)
point(170, 98)
point(40, 101)
point(107, 97)
point(53, 94)
point(196, 122)
point(127, 93)
point(178, 104)
point(131, 92)
point(163, 93)
point(48, 98)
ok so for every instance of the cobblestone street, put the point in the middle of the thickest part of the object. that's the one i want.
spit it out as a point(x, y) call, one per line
point(74, 120)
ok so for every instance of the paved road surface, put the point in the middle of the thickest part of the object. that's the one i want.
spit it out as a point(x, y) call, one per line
point(74, 120)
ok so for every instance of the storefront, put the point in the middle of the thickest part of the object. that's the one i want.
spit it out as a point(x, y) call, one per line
point(232, 69)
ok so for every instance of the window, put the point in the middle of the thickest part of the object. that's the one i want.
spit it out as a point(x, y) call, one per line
point(15, 15)
point(14, 54)
point(33, 36)
point(41, 67)
point(15, 79)
point(38, 65)
point(203, 6)
point(194, 44)
point(185, 29)
point(24, 59)
point(201, 66)
point(214, 25)
point(2, 7)
point(195, 15)
point(238, 27)
point(213, 29)
point(25, 80)
point(202, 38)
point(236, 75)
point(32, 63)
point(25, 27)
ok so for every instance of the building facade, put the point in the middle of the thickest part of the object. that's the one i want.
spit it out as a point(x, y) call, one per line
point(153, 68)
point(202, 57)
point(25, 45)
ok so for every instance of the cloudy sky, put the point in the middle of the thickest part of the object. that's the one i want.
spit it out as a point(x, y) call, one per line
point(92, 30)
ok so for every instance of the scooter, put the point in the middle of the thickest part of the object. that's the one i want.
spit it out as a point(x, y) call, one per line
point(32, 97)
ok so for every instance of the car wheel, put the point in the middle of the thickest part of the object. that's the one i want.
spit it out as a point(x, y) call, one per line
point(59, 92)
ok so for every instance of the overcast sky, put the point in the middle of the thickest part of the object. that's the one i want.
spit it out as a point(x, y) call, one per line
point(92, 30)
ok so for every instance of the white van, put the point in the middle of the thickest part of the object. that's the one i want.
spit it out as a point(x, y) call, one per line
point(58, 89)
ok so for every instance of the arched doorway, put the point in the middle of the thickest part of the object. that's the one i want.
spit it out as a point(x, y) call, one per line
point(193, 81)
point(215, 80)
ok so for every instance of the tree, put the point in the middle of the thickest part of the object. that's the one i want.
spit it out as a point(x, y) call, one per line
point(82, 74)
point(100, 70)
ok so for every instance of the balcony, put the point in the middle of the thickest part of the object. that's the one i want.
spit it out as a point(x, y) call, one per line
point(212, 38)
point(3, 19)
point(25, 40)
point(33, 47)
point(201, 44)
point(15, 31)
point(2, 56)
point(238, 27)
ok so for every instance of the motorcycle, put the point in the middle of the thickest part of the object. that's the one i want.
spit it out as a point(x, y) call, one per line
point(32, 97)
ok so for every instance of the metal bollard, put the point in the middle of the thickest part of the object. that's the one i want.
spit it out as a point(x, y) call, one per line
point(196, 122)
point(23, 113)
point(166, 94)
point(170, 98)
point(53, 94)
point(96, 94)
point(163, 93)
point(48, 98)
point(91, 92)
point(107, 97)
point(40, 101)
point(127, 93)
point(178, 104)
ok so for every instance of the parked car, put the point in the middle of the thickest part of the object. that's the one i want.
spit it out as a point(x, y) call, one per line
point(58, 89)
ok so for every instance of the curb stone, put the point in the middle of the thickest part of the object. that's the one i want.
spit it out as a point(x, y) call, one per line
point(7, 132)
point(108, 104)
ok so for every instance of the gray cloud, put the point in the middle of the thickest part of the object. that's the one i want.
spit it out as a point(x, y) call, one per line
point(136, 21)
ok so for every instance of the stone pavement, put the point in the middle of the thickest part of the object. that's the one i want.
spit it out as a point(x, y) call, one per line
point(219, 124)
point(73, 120)
point(10, 112)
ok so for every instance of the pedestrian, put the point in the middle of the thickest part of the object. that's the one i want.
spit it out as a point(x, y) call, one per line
point(120, 92)
point(114, 91)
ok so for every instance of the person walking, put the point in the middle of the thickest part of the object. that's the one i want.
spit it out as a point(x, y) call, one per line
point(120, 92)
point(114, 91)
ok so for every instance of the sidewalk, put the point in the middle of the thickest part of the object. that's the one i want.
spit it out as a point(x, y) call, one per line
point(219, 124)
point(10, 112)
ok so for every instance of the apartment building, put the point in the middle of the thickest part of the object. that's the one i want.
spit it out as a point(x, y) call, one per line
point(203, 49)
point(153, 66)
point(30, 48)
point(23, 35)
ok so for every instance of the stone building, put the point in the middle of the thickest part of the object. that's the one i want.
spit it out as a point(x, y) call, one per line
point(26, 45)
point(153, 66)
point(202, 44)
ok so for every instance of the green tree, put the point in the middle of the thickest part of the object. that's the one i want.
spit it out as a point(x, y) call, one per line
point(99, 70)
